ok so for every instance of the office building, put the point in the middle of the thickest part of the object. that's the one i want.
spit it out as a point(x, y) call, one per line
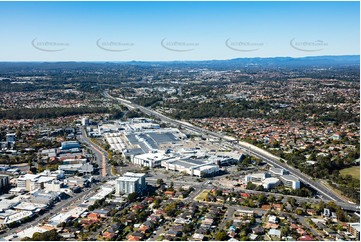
point(257, 177)
point(290, 181)
point(278, 171)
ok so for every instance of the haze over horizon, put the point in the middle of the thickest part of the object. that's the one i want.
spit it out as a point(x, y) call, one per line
point(176, 31)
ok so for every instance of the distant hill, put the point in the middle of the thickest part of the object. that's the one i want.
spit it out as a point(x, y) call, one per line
point(275, 62)
point(311, 61)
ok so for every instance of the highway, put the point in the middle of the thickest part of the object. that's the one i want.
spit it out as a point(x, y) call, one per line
point(247, 149)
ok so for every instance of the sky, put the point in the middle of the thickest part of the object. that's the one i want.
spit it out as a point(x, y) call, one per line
point(166, 31)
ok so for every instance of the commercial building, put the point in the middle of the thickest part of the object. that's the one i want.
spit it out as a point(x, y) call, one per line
point(278, 171)
point(150, 160)
point(192, 166)
point(72, 169)
point(290, 181)
point(31, 182)
point(263, 179)
point(257, 177)
point(66, 145)
point(270, 183)
point(27, 182)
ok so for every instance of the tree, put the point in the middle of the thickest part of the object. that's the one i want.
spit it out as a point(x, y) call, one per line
point(160, 182)
point(221, 236)
point(51, 235)
point(132, 197)
point(228, 223)
point(262, 199)
point(340, 215)
point(271, 199)
point(285, 230)
point(291, 201)
point(321, 206)
point(299, 211)
point(250, 186)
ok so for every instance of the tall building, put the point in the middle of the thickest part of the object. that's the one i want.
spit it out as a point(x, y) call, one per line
point(85, 121)
point(141, 176)
point(354, 229)
point(130, 182)
point(4, 183)
point(11, 138)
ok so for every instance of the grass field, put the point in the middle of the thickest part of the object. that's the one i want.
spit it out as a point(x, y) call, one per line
point(353, 171)
point(202, 196)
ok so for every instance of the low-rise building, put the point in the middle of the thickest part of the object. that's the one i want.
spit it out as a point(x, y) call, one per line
point(150, 160)
point(278, 171)
point(256, 177)
point(240, 213)
point(66, 145)
point(270, 183)
point(291, 181)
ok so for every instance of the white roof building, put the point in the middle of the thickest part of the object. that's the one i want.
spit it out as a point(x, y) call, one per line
point(270, 183)
point(291, 181)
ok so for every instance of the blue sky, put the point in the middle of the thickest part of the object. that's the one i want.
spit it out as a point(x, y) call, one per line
point(124, 31)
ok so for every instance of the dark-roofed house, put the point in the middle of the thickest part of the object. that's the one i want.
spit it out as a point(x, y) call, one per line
point(103, 213)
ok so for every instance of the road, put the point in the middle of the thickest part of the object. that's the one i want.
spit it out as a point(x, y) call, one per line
point(248, 149)
point(56, 209)
point(101, 157)
point(100, 154)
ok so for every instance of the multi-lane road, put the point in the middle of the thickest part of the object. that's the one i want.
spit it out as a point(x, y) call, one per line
point(100, 154)
point(58, 207)
point(248, 149)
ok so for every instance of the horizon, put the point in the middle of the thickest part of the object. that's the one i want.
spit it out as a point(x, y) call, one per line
point(163, 61)
point(176, 31)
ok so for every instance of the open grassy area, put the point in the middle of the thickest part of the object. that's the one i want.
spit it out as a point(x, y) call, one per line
point(353, 171)
point(202, 196)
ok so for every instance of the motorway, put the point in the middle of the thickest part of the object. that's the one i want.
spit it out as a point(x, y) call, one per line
point(247, 149)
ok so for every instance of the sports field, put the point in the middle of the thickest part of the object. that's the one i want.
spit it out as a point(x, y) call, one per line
point(354, 171)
